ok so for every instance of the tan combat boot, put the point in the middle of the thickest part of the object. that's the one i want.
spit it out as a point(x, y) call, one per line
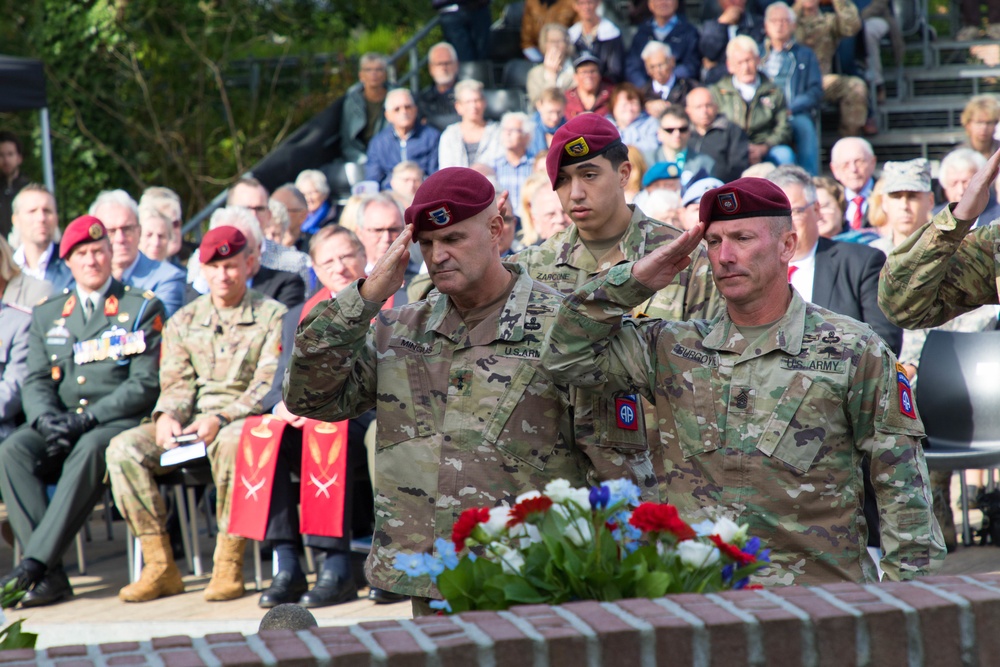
point(160, 576)
point(227, 570)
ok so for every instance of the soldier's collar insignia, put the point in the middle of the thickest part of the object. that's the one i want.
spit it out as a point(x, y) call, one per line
point(577, 148)
point(111, 305)
point(729, 202)
point(69, 306)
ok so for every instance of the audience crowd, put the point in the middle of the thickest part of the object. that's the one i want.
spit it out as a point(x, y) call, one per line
point(120, 342)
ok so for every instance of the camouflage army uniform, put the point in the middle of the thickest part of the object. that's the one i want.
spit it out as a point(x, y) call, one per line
point(202, 373)
point(822, 33)
point(465, 419)
point(771, 434)
point(941, 271)
point(564, 263)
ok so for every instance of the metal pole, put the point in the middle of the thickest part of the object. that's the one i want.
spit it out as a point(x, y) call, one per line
point(50, 181)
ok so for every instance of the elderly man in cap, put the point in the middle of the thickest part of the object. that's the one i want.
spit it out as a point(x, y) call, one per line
point(93, 356)
point(220, 353)
point(588, 167)
point(766, 411)
point(466, 415)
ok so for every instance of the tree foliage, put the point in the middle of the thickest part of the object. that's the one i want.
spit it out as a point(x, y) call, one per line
point(185, 93)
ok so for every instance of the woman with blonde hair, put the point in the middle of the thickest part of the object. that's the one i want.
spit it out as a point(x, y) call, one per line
point(639, 167)
point(556, 68)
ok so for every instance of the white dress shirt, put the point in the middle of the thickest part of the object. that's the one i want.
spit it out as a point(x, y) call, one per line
point(805, 274)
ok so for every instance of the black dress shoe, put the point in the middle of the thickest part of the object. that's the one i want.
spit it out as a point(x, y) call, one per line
point(52, 588)
point(329, 590)
point(22, 574)
point(285, 588)
point(381, 596)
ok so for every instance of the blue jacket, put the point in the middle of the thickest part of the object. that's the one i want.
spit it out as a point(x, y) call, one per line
point(385, 151)
point(799, 78)
point(683, 43)
point(58, 273)
point(163, 279)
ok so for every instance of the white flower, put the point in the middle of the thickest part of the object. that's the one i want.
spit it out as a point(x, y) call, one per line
point(511, 560)
point(527, 495)
point(580, 532)
point(497, 523)
point(730, 532)
point(580, 498)
point(558, 490)
point(697, 555)
point(527, 534)
point(703, 528)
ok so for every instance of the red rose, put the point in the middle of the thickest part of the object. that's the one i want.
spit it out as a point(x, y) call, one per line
point(733, 552)
point(657, 518)
point(520, 512)
point(466, 523)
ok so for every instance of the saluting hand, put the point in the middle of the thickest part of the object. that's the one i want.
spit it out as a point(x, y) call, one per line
point(388, 273)
point(977, 195)
point(658, 269)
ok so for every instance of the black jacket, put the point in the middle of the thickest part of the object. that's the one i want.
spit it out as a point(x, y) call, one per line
point(727, 144)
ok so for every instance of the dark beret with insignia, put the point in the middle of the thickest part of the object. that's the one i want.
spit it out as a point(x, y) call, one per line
point(582, 138)
point(448, 196)
point(85, 229)
point(221, 243)
point(744, 198)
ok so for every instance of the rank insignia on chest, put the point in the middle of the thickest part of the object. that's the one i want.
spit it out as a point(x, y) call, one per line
point(461, 383)
point(69, 306)
point(906, 406)
point(742, 399)
point(627, 412)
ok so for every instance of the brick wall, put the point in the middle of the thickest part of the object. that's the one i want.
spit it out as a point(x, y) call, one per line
point(936, 621)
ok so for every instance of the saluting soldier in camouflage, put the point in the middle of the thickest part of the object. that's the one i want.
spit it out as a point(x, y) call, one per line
point(93, 355)
point(467, 416)
point(943, 269)
point(766, 411)
point(585, 166)
point(220, 353)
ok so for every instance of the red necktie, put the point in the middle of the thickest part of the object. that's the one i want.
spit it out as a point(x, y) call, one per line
point(857, 220)
point(791, 272)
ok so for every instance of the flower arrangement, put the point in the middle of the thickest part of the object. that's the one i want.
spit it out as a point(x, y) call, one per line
point(12, 636)
point(566, 543)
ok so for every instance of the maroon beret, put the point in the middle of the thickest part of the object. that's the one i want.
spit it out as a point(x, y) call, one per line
point(450, 195)
point(582, 138)
point(221, 243)
point(85, 229)
point(744, 198)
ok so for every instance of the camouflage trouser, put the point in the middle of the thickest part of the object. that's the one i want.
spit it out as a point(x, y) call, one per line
point(852, 95)
point(133, 460)
point(941, 492)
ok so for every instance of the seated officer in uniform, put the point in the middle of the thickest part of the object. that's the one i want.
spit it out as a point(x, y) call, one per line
point(220, 353)
point(93, 357)
point(766, 411)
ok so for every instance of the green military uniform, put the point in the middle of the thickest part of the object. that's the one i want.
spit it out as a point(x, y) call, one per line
point(74, 365)
point(764, 118)
point(564, 263)
point(770, 432)
point(215, 362)
point(941, 271)
point(822, 33)
point(465, 418)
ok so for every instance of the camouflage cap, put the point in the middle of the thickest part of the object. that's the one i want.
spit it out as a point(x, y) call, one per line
point(909, 176)
point(744, 198)
point(581, 138)
point(448, 196)
point(85, 229)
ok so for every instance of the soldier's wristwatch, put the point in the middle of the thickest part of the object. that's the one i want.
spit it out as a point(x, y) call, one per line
point(223, 420)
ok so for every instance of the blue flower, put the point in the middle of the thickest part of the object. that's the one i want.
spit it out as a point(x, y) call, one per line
point(433, 565)
point(440, 605)
point(703, 528)
point(411, 564)
point(727, 573)
point(764, 556)
point(741, 584)
point(446, 551)
point(752, 546)
point(600, 496)
point(623, 489)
